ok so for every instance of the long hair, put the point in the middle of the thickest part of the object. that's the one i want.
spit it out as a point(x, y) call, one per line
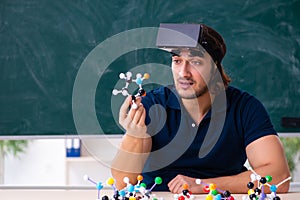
point(215, 45)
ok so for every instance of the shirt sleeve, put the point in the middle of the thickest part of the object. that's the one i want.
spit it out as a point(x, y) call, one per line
point(255, 120)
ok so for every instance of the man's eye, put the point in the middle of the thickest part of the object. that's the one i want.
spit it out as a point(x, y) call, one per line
point(196, 62)
point(176, 61)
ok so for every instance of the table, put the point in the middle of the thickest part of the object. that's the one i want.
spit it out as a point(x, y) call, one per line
point(63, 194)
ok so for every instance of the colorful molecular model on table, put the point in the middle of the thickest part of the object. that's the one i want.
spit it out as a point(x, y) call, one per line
point(139, 81)
point(130, 192)
point(259, 192)
point(214, 193)
point(185, 194)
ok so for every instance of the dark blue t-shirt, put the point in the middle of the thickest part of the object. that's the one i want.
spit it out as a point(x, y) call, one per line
point(215, 147)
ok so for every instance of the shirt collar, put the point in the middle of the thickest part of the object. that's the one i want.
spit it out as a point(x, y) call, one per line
point(174, 102)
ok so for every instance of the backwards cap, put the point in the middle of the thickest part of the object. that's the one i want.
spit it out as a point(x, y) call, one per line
point(172, 36)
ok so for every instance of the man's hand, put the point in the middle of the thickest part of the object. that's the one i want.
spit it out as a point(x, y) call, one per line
point(176, 184)
point(133, 121)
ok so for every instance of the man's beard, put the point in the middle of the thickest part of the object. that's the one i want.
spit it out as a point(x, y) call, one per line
point(197, 93)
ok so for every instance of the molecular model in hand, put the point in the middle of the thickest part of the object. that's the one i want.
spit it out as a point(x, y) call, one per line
point(139, 81)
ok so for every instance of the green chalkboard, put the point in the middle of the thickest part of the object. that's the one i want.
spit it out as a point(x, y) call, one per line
point(45, 46)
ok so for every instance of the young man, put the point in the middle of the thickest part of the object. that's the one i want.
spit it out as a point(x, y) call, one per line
point(200, 127)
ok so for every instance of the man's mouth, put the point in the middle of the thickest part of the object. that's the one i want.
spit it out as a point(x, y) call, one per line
point(185, 84)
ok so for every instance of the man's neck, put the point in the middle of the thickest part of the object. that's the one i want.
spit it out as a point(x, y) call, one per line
point(198, 107)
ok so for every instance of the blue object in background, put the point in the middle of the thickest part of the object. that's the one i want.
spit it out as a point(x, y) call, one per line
point(73, 147)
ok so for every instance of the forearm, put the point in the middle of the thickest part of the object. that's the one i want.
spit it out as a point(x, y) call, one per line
point(130, 159)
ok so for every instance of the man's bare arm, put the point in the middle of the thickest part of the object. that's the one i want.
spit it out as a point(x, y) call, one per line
point(135, 145)
point(266, 157)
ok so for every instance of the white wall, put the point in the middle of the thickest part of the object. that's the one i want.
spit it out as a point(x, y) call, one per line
point(44, 163)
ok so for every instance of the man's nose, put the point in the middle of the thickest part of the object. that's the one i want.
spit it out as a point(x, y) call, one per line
point(185, 69)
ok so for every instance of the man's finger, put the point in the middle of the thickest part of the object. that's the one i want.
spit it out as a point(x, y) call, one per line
point(138, 114)
point(141, 122)
point(124, 108)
